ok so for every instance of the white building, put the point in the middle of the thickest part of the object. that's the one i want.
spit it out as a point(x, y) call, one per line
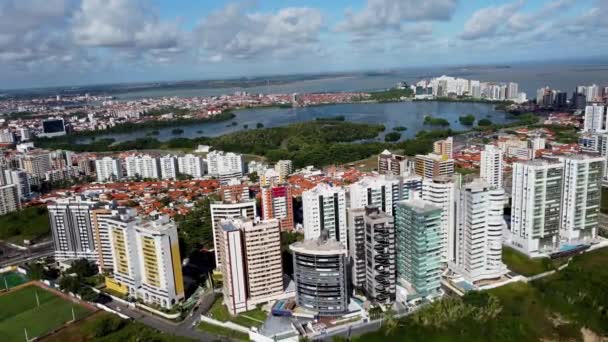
point(168, 167)
point(324, 208)
point(142, 167)
point(284, 168)
point(595, 119)
point(536, 204)
point(376, 191)
point(6, 136)
point(191, 165)
point(581, 198)
point(108, 169)
point(222, 163)
point(21, 180)
point(9, 199)
point(441, 193)
point(72, 228)
point(491, 169)
point(224, 211)
point(480, 225)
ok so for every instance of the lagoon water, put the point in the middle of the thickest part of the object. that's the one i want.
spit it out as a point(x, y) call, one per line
point(408, 114)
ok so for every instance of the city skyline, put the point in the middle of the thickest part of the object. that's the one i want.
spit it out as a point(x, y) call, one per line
point(93, 42)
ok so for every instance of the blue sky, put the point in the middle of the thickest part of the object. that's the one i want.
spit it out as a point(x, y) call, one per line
point(69, 42)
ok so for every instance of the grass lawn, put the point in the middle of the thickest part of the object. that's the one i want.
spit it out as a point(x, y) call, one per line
point(521, 264)
point(26, 224)
point(221, 331)
point(252, 318)
point(19, 311)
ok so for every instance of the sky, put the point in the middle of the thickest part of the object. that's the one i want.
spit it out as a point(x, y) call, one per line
point(76, 42)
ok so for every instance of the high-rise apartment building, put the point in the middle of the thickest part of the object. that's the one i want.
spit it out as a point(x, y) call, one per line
point(444, 148)
point(9, 199)
point(108, 169)
point(147, 261)
point(21, 179)
point(581, 197)
point(418, 248)
point(380, 256)
point(142, 167)
point(277, 203)
point(375, 191)
point(441, 192)
point(536, 205)
point(72, 228)
point(391, 164)
point(225, 166)
point(595, 119)
point(319, 269)
point(168, 167)
point(491, 166)
point(228, 210)
point(480, 226)
point(36, 164)
point(284, 169)
point(433, 165)
point(191, 165)
point(251, 263)
point(324, 208)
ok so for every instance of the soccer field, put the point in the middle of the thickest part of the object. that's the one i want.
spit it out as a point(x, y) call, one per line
point(19, 310)
point(11, 279)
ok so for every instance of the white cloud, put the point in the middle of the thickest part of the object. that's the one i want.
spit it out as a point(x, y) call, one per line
point(233, 33)
point(380, 15)
point(487, 21)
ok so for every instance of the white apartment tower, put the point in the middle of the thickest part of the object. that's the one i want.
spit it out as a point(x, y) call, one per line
point(581, 198)
point(595, 119)
point(536, 205)
point(108, 169)
point(480, 226)
point(221, 163)
point(142, 167)
point(168, 167)
point(491, 165)
point(376, 191)
point(324, 208)
point(72, 228)
point(223, 211)
point(441, 193)
point(9, 199)
point(283, 168)
point(191, 165)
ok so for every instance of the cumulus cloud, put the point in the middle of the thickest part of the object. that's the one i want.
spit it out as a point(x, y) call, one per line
point(234, 33)
point(122, 24)
point(487, 21)
point(380, 15)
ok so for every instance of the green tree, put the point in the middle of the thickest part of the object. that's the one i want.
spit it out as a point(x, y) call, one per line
point(195, 229)
point(69, 283)
point(83, 268)
point(467, 120)
point(484, 123)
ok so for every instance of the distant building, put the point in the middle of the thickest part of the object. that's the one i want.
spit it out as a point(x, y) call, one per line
point(277, 203)
point(225, 165)
point(168, 167)
point(21, 180)
point(191, 165)
point(108, 169)
point(319, 268)
point(433, 165)
point(391, 164)
point(418, 249)
point(9, 199)
point(491, 165)
point(284, 169)
point(142, 167)
point(444, 148)
point(53, 127)
point(595, 119)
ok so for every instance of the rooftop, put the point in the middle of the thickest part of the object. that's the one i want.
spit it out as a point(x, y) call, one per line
point(419, 205)
point(319, 246)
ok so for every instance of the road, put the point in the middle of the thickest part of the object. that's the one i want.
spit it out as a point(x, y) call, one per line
point(27, 256)
point(185, 328)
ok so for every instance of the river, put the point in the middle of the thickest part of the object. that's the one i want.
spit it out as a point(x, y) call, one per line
point(408, 114)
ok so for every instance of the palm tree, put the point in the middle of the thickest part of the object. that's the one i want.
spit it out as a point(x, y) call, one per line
point(390, 322)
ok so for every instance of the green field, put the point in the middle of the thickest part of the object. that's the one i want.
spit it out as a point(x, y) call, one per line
point(11, 279)
point(252, 318)
point(19, 310)
point(521, 264)
point(25, 224)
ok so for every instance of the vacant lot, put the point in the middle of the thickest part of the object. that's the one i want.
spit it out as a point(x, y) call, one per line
point(20, 310)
